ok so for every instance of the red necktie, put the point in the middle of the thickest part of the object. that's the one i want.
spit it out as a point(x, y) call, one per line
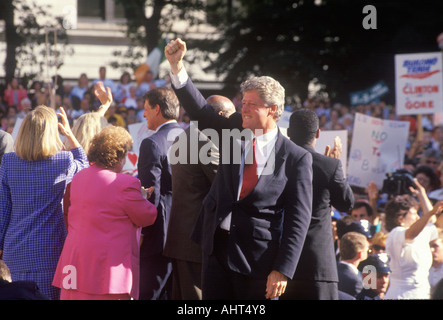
point(250, 177)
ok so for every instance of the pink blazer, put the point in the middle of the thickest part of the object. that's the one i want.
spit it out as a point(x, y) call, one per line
point(101, 251)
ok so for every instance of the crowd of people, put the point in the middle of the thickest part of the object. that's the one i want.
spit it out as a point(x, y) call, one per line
point(73, 226)
point(17, 99)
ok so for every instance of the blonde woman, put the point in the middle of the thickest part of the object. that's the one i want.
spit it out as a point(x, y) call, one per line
point(89, 124)
point(378, 243)
point(86, 127)
point(32, 183)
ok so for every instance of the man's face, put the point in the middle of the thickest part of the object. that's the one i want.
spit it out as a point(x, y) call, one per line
point(360, 213)
point(382, 282)
point(102, 72)
point(437, 250)
point(424, 180)
point(150, 115)
point(254, 112)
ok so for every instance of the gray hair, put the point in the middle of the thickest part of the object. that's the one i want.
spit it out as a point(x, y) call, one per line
point(269, 90)
point(25, 101)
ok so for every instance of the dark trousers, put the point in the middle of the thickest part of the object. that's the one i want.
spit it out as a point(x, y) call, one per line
point(219, 282)
point(186, 280)
point(298, 289)
point(155, 277)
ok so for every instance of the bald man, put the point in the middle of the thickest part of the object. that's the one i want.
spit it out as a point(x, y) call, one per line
point(191, 181)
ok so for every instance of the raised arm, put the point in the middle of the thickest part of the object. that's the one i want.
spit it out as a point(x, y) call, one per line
point(190, 97)
point(372, 191)
point(414, 230)
point(105, 97)
point(175, 50)
point(65, 129)
point(420, 193)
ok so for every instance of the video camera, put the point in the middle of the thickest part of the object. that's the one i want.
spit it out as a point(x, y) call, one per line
point(398, 182)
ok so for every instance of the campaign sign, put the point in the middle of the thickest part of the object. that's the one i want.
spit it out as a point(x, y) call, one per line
point(369, 95)
point(138, 131)
point(378, 147)
point(418, 83)
point(283, 122)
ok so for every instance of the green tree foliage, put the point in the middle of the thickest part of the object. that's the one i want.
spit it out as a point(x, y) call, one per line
point(295, 41)
point(298, 41)
point(148, 21)
point(25, 38)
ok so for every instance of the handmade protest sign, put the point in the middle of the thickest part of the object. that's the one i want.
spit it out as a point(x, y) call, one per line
point(138, 131)
point(378, 147)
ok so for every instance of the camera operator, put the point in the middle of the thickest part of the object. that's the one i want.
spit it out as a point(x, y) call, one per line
point(427, 177)
point(408, 240)
point(398, 183)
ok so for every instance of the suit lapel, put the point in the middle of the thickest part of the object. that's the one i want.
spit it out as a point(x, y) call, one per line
point(272, 166)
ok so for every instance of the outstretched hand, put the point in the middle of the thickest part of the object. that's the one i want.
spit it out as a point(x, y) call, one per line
point(104, 95)
point(336, 150)
point(175, 50)
point(65, 129)
point(417, 189)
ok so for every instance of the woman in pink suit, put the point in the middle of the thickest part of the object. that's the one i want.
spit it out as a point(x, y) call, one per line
point(100, 257)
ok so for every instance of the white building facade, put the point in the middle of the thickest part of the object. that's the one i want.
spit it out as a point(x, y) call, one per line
point(95, 29)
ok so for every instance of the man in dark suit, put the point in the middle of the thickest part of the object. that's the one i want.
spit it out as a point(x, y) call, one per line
point(255, 217)
point(316, 275)
point(161, 112)
point(192, 177)
point(353, 250)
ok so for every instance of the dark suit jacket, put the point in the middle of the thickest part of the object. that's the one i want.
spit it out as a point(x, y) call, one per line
point(20, 290)
point(317, 261)
point(154, 170)
point(268, 226)
point(348, 281)
point(191, 181)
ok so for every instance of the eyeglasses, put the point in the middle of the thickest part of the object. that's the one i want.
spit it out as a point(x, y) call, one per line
point(431, 162)
point(423, 180)
point(377, 247)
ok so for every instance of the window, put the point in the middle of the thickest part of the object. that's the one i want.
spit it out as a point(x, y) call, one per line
point(91, 8)
point(119, 11)
point(103, 9)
